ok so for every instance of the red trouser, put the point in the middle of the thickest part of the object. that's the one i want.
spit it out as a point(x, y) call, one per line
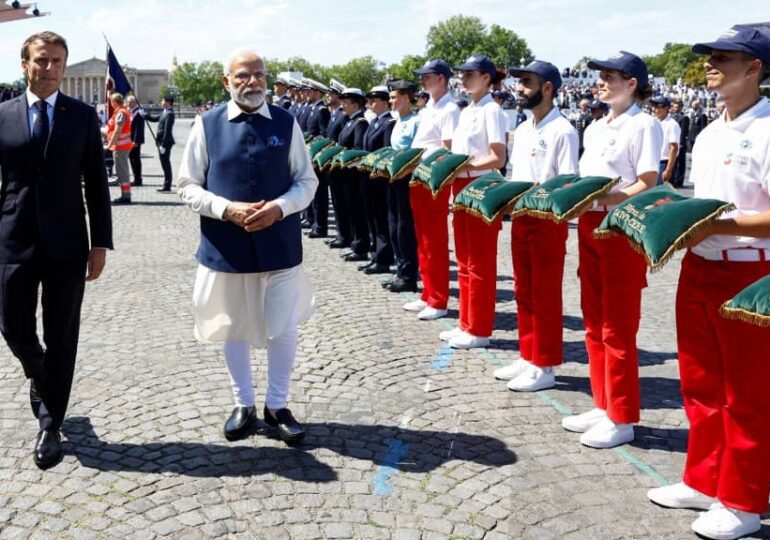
point(476, 252)
point(538, 248)
point(725, 371)
point(430, 227)
point(612, 276)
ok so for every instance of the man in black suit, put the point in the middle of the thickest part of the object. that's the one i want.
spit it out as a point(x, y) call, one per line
point(50, 146)
point(317, 121)
point(137, 138)
point(164, 137)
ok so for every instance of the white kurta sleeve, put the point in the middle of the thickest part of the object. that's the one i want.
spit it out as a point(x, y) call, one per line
point(192, 176)
point(304, 180)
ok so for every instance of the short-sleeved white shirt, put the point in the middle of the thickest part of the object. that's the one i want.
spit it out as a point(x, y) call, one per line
point(671, 135)
point(438, 121)
point(626, 147)
point(544, 150)
point(731, 162)
point(481, 125)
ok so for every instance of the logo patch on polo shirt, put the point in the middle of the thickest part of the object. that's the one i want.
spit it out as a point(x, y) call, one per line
point(745, 144)
point(728, 158)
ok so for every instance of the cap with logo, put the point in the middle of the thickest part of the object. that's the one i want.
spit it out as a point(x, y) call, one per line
point(662, 101)
point(478, 62)
point(545, 70)
point(627, 63)
point(744, 38)
point(355, 94)
point(336, 86)
point(315, 85)
point(437, 66)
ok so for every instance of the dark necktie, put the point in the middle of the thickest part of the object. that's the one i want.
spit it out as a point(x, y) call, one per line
point(40, 127)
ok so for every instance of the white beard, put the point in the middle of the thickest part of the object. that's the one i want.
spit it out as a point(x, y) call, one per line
point(254, 100)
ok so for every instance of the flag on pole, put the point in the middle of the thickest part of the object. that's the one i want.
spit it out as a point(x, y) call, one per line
point(116, 80)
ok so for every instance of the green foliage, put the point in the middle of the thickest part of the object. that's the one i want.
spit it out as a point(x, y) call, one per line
point(460, 36)
point(694, 74)
point(404, 69)
point(359, 73)
point(673, 62)
point(198, 83)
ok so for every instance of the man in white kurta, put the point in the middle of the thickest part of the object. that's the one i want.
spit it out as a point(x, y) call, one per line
point(236, 301)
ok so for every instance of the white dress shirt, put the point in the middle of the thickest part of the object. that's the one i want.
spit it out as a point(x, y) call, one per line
point(32, 111)
point(195, 164)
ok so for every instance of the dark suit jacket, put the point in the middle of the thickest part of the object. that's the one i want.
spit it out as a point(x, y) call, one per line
point(336, 123)
point(165, 133)
point(378, 133)
point(352, 134)
point(318, 119)
point(137, 126)
point(41, 198)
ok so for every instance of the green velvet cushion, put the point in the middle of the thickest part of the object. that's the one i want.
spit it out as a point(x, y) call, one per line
point(308, 137)
point(438, 170)
point(398, 164)
point(318, 144)
point(348, 158)
point(659, 221)
point(323, 159)
point(751, 305)
point(490, 196)
point(369, 162)
point(563, 197)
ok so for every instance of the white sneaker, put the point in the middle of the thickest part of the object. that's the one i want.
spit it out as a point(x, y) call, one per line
point(680, 495)
point(428, 313)
point(533, 379)
point(446, 335)
point(468, 341)
point(512, 371)
point(607, 434)
point(723, 523)
point(415, 305)
point(580, 423)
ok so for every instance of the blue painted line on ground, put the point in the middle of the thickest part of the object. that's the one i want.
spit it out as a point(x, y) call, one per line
point(441, 360)
point(396, 452)
point(565, 411)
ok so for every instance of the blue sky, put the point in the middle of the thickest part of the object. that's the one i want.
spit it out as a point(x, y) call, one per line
point(146, 33)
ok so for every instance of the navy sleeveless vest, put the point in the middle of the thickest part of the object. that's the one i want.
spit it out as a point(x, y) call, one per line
point(249, 162)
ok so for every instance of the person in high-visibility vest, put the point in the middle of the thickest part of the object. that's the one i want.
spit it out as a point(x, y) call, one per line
point(119, 141)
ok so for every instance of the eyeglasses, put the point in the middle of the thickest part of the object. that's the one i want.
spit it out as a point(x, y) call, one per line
point(243, 77)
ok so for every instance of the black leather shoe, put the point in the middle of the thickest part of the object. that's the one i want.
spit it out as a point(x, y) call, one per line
point(338, 244)
point(121, 200)
point(239, 423)
point(377, 269)
point(364, 265)
point(289, 430)
point(34, 398)
point(386, 283)
point(402, 285)
point(355, 257)
point(316, 234)
point(164, 190)
point(345, 252)
point(305, 224)
point(47, 449)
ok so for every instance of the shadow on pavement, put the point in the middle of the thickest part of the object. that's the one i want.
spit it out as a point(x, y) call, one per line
point(394, 447)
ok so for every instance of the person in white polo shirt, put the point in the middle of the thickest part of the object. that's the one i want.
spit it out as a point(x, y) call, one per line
point(480, 134)
point(626, 144)
point(669, 150)
point(543, 147)
point(438, 121)
point(724, 364)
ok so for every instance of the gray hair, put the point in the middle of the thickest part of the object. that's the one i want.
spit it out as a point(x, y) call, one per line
point(233, 56)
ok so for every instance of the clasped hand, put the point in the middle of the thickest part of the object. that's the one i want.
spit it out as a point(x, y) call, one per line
point(253, 216)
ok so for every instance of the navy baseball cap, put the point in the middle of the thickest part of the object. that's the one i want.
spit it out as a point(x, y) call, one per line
point(546, 70)
point(626, 62)
point(661, 100)
point(437, 66)
point(596, 104)
point(478, 62)
point(739, 38)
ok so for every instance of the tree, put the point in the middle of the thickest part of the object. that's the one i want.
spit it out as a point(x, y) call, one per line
point(505, 48)
point(359, 73)
point(198, 83)
point(673, 62)
point(694, 75)
point(405, 69)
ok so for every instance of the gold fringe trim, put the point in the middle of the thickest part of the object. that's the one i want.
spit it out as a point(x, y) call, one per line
point(575, 211)
point(676, 245)
point(447, 181)
point(750, 317)
point(407, 169)
point(504, 210)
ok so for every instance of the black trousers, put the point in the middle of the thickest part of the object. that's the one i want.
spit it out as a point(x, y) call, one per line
point(62, 295)
point(377, 219)
point(680, 166)
point(353, 184)
point(342, 222)
point(321, 205)
point(134, 157)
point(401, 226)
point(165, 163)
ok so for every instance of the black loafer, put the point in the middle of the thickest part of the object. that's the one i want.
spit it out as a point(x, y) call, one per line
point(402, 285)
point(316, 234)
point(386, 283)
point(305, 224)
point(121, 200)
point(364, 265)
point(48, 450)
point(355, 257)
point(338, 244)
point(377, 269)
point(289, 430)
point(34, 398)
point(239, 423)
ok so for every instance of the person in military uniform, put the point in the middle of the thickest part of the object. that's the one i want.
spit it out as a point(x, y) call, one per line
point(281, 96)
point(337, 121)
point(317, 121)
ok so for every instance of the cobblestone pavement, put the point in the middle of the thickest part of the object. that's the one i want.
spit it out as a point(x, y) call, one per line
point(406, 439)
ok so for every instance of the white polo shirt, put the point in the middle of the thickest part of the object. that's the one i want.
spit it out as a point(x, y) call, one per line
point(438, 121)
point(671, 134)
point(481, 125)
point(627, 146)
point(731, 162)
point(544, 150)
